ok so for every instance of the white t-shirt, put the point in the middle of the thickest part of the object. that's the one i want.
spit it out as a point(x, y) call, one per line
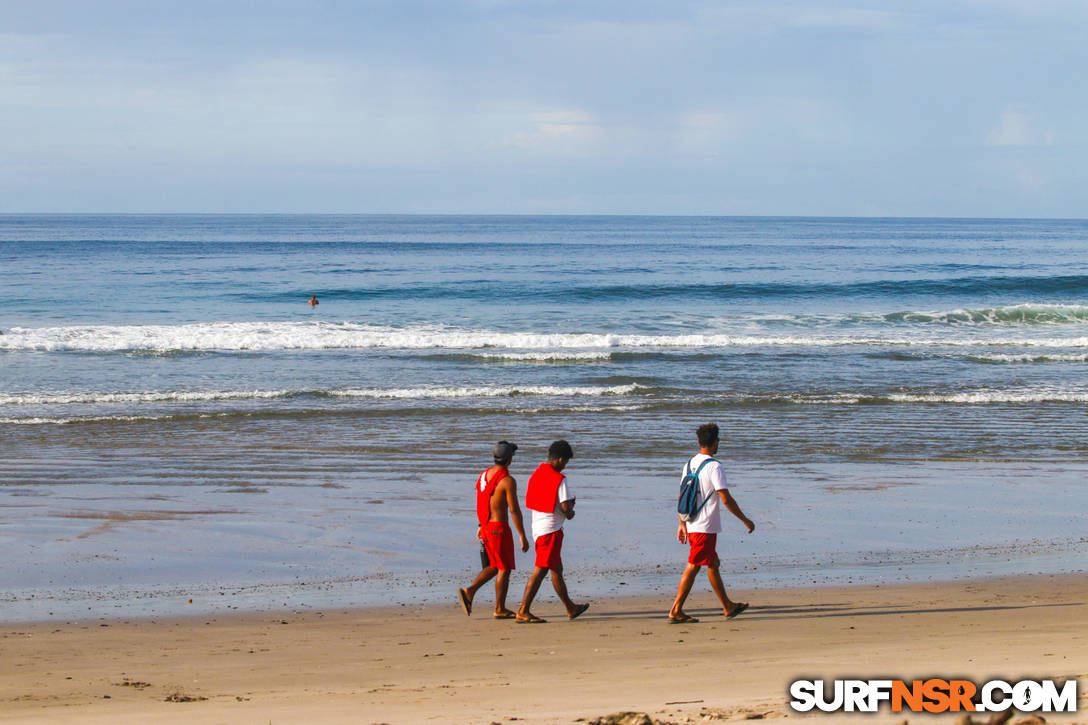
point(545, 523)
point(711, 480)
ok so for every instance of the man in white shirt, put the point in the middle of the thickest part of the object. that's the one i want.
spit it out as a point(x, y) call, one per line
point(552, 503)
point(701, 532)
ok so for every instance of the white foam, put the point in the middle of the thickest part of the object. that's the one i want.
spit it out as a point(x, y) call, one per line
point(488, 392)
point(85, 398)
point(583, 356)
point(973, 397)
point(1030, 358)
point(271, 336)
point(82, 419)
point(984, 397)
point(67, 420)
point(91, 398)
point(1023, 314)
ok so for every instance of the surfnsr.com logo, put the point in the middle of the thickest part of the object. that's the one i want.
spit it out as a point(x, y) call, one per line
point(934, 695)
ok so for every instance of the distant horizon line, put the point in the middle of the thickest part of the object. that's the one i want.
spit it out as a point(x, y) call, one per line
point(528, 214)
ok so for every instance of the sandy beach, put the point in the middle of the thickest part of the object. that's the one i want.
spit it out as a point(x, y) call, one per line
point(185, 444)
point(432, 664)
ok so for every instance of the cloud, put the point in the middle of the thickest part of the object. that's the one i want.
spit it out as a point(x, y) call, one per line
point(1030, 179)
point(705, 133)
point(786, 106)
point(1017, 127)
point(564, 131)
point(806, 18)
point(847, 18)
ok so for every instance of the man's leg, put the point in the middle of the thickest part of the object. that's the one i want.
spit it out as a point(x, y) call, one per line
point(482, 578)
point(682, 591)
point(730, 607)
point(502, 586)
point(543, 546)
point(506, 565)
point(469, 593)
point(531, 588)
point(573, 610)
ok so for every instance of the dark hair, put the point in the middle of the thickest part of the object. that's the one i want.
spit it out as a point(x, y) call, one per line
point(708, 434)
point(503, 461)
point(560, 449)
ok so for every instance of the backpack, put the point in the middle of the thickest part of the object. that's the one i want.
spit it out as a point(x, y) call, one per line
point(686, 502)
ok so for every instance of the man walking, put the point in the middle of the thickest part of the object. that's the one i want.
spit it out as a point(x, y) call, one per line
point(701, 532)
point(496, 503)
point(552, 503)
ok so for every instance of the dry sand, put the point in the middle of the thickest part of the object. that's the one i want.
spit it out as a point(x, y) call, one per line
point(433, 664)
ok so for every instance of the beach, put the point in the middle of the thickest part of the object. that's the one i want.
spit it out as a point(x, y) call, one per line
point(211, 489)
point(280, 283)
point(430, 663)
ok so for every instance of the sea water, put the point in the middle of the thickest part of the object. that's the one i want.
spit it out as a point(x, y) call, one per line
point(898, 398)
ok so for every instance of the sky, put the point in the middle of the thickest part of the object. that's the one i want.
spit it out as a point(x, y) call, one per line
point(962, 108)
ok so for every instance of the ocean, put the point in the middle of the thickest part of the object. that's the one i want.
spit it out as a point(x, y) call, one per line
point(899, 399)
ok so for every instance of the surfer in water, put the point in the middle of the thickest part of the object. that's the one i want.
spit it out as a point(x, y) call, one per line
point(313, 301)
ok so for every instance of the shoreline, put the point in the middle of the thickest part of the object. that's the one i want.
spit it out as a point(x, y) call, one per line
point(335, 606)
point(416, 589)
point(149, 550)
point(406, 664)
point(219, 599)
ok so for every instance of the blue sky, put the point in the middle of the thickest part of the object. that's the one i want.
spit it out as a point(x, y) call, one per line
point(954, 108)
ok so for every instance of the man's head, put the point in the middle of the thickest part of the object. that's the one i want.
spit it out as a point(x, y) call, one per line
point(503, 453)
point(708, 435)
point(559, 454)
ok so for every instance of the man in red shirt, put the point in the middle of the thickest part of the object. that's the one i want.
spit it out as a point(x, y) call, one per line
point(549, 498)
point(496, 504)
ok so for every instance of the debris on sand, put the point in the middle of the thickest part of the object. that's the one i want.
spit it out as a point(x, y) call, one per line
point(625, 718)
point(182, 697)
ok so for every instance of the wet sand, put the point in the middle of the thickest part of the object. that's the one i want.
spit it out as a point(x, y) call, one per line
point(145, 549)
point(430, 663)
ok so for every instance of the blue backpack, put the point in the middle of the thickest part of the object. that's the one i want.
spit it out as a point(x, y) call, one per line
point(687, 503)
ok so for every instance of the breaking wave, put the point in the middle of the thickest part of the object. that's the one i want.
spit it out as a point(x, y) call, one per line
point(1027, 358)
point(420, 393)
point(544, 357)
point(1010, 315)
point(968, 397)
point(525, 346)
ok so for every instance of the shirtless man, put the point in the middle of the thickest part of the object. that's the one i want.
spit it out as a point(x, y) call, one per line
point(313, 301)
point(701, 532)
point(496, 503)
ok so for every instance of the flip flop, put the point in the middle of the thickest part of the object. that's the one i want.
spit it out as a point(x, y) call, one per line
point(506, 615)
point(466, 603)
point(740, 608)
point(532, 619)
point(579, 611)
point(683, 619)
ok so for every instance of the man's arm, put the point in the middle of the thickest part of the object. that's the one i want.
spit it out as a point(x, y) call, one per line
point(682, 530)
point(731, 504)
point(515, 510)
point(567, 507)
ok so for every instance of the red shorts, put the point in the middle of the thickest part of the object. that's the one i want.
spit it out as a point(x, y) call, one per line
point(703, 549)
point(499, 543)
point(548, 547)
